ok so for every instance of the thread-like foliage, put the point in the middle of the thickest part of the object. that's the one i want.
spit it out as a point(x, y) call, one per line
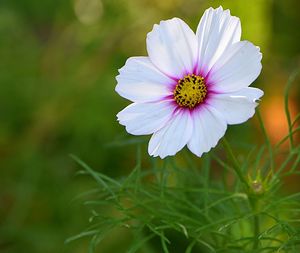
point(181, 206)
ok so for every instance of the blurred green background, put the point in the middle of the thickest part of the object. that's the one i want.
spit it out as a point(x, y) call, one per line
point(58, 62)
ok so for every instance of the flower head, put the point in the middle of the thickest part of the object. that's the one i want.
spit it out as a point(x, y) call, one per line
point(190, 86)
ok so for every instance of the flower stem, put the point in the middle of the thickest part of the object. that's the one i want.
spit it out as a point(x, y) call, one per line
point(267, 140)
point(253, 201)
point(235, 164)
point(256, 227)
point(286, 105)
point(256, 232)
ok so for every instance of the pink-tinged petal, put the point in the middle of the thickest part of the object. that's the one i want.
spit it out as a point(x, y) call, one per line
point(237, 68)
point(173, 137)
point(216, 31)
point(146, 118)
point(140, 81)
point(172, 47)
point(237, 107)
point(209, 128)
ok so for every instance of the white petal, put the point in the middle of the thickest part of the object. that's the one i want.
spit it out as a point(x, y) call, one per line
point(173, 137)
point(146, 118)
point(140, 81)
point(172, 47)
point(237, 68)
point(236, 107)
point(216, 31)
point(209, 128)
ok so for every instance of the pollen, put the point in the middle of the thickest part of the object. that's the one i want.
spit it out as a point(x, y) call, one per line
point(190, 91)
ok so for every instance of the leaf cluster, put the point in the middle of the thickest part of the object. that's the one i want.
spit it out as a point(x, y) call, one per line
point(184, 205)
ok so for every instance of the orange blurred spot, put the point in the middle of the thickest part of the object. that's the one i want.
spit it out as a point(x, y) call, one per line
point(274, 117)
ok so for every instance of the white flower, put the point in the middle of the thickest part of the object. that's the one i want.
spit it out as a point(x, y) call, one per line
point(191, 86)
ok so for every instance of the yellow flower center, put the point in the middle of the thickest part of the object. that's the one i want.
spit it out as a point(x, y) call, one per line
point(190, 91)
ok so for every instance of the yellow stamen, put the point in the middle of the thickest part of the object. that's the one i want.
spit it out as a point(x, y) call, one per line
point(190, 91)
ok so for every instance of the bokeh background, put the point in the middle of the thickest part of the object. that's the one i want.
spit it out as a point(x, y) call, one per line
point(58, 62)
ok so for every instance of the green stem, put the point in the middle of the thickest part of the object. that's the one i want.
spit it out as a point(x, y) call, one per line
point(252, 201)
point(235, 164)
point(267, 140)
point(286, 105)
point(256, 232)
point(256, 223)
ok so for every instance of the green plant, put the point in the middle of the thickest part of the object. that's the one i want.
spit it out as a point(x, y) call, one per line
point(183, 205)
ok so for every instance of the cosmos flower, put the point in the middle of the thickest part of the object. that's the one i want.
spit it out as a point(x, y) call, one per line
point(190, 86)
